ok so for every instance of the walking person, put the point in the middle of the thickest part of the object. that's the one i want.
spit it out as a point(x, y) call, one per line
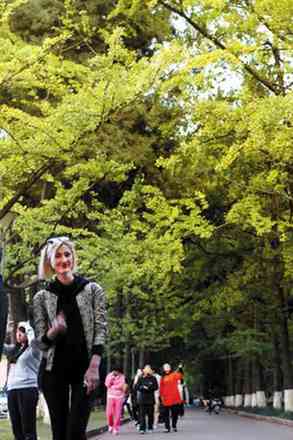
point(181, 388)
point(116, 386)
point(133, 396)
point(127, 402)
point(70, 323)
point(170, 395)
point(146, 386)
point(157, 401)
point(22, 383)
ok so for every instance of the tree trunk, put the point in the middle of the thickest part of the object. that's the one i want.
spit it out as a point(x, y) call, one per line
point(141, 358)
point(109, 359)
point(133, 367)
point(261, 401)
point(230, 382)
point(247, 388)
point(3, 314)
point(126, 359)
point(239, 383)
point(278, 290)
point(285, 355)
point(254, 380)
point(277, 375)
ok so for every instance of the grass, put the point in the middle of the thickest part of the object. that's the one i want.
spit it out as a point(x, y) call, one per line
point(97, 419)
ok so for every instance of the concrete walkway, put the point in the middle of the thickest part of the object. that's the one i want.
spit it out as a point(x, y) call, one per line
point(197, 424)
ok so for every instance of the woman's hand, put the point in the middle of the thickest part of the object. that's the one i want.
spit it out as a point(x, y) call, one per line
point(58, 326)
point(92, 375)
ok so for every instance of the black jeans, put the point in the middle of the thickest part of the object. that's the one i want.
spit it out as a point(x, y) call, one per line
point(129, 409)
point(146, 411)
point(135, 412)
point(69, 406)
point(174, 412)
point(22, 406)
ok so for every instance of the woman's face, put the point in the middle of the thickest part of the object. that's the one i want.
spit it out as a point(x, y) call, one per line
point(147, 370)
point(21, 337)
point(167, 368)
point(63, 260)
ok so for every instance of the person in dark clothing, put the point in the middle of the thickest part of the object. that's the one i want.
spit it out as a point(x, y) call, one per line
point(22, 382)
point(133, 394)
point(146, 386)
point(70, 325)
point(127, 400)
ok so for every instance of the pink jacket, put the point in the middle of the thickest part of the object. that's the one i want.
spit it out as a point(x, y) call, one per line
point(115, 386)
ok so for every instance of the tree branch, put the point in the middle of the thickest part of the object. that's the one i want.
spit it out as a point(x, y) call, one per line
point(203, 31)
point(35, 177)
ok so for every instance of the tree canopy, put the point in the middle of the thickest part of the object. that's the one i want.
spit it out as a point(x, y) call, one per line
point(158, 135)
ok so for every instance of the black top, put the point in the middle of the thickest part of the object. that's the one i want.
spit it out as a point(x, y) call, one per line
point(145, 387)
point(71, 348)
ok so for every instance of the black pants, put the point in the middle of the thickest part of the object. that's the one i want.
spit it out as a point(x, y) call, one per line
point(22, 406)
point(181, 410)
point(146, 412)
point(69, 406)
point(135, 412)
point(129, 409)
point(174, 412)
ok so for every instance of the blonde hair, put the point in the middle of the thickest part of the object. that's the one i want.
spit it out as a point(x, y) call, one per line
point(147, 369)
point(48, 254)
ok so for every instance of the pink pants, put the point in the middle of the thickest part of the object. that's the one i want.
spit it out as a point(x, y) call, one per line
point(114, 412)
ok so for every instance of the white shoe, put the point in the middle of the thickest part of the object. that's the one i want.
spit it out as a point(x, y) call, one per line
point(110, 428)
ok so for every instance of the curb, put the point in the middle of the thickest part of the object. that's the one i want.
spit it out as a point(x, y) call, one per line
point(94, 432)
point(260, 418)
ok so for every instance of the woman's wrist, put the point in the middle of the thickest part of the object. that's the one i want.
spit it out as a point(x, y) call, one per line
point(95, 361)
point(51, 335)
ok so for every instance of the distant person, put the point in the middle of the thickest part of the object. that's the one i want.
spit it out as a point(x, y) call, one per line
point(116, 386)
point(127, 401)
point(70, 323)
point(146, 386)
point(157, 401)
point(170, 395)
point(22, 383)
point(182, 392)
point(133, 396)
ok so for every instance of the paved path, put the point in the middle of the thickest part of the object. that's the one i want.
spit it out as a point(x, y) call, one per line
point(199, 425)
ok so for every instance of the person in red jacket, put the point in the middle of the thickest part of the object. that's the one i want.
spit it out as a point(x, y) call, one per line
point(170, 395)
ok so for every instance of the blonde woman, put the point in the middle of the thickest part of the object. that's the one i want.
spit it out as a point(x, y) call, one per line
point(70, 324)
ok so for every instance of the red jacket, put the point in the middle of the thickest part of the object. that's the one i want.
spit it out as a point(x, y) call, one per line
point(169, 391)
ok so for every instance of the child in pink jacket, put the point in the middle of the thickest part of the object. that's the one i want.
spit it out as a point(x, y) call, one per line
point(115, 383)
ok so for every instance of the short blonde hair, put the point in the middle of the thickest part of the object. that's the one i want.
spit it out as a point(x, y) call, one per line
point(147, 369)
point(48, 254)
